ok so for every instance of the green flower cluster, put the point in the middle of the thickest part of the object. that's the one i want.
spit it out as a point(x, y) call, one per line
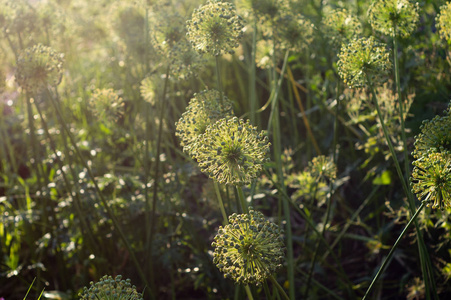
point(232, 151)
point(39, 66)
point(431, 175)
point(249, 249)
point(443, 21)
point(431, 179)
point(435, 135)
point(339, 26)
point(106, 104)
point(323, 167)
point(204, 109)
point(294, 31)
point(215, 28)
point(361, 60)
point(394, 17)
point(262, 10)
point(108, 288)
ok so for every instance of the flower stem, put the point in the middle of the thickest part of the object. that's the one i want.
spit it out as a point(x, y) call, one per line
point(392, 250)
point(221, 203)
point(248, 292)
point(218, 80)
point(242, 199)
point(279, 288)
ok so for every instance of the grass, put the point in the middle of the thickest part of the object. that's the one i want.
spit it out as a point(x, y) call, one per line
point(97, 183)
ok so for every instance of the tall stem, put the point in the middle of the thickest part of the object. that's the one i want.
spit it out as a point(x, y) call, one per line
point(392, 250)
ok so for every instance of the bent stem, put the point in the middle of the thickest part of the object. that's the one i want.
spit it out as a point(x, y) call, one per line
point(392, 250)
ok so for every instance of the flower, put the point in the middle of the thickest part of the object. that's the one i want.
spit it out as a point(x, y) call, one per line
point(108, 288)
point(215, 28)
point(231, 151)
point(339, 26)
point(168, 28)
point(147, 89)
point(294, 31)
point(431, 179)
point(186, 62)
point(39, 66)
point(323, 167)
point(363, 59)
point(249, 249)
point(393, 17)
point(435, 135)
point(106, 104)
point(262, 10)
point(204, 108)
point(443, 21)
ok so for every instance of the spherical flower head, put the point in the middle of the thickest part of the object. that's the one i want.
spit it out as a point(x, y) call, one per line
point(340, 26)
point(362, 59)
point(434, 135)
point(393, 17)
point(147, 89)
point(215, 28)
point(249, 249)
point(443, 21)
point(232, 151)
point(168, 28)
point(39, 66)
point(186, 62)
point(323, 167)
point(431, 179)
point(106, 104)
point(204, 109)
point(262, 10)
point(294, 31)
point(108, 289)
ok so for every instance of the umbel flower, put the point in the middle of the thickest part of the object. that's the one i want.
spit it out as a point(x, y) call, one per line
point(294, 31)
point(263, 10)
point(435, 135)
point(340, 26)
point(323, 167)
point(204, 109)
point(39, 66)
point(186, 62)
point(431, 179)
point(215, 28)
point(361, 58)
point(106, 104)
point(443, 21)
point(393, 17)
point(232, 151)
point(249, 249)
point(108, 288)
point(168, 28)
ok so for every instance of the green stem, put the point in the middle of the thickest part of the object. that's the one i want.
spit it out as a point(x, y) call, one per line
point(221, 203)
point(242, 199)
point(248, 292)
point(279, 287)
point(218, 79)
point(252, 75)
point(392, 250)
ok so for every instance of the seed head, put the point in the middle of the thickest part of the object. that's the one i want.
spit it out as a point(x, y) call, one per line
point(106, 104)
point(204, 109)
point(186, 62)
point(340, 27)
point(394, 17)
point(294, 31)
point(361, 58)
point(322, 167)
point(249, 249)
point(443, 21)
point(431, 179)
point(39, 66)
point(108, 289)
point(435, 135)
point(232, 151)
point(215, 28)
